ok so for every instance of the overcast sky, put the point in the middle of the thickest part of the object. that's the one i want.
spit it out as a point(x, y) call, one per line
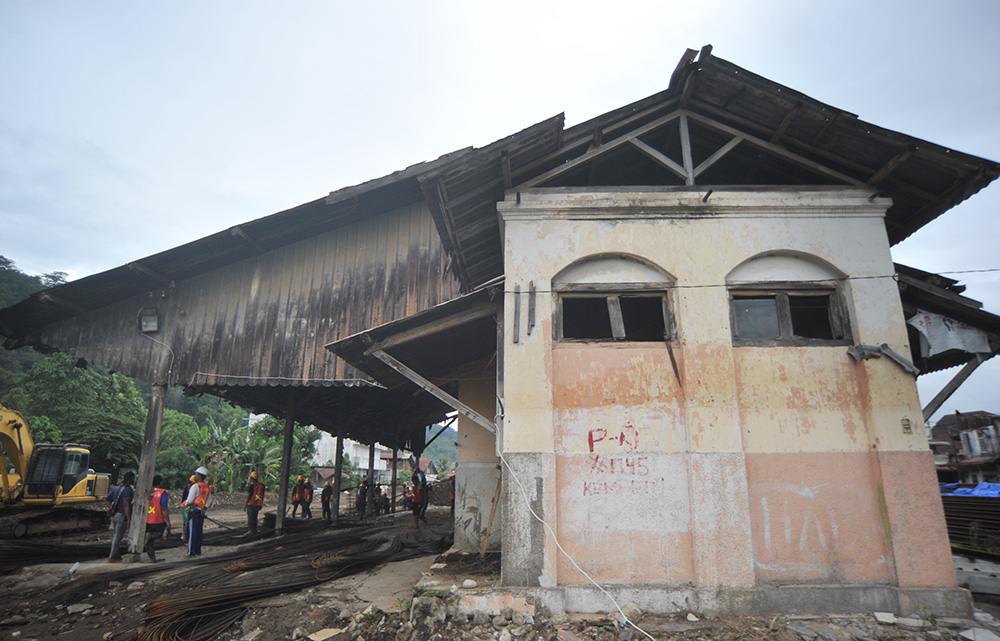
point(130, 128)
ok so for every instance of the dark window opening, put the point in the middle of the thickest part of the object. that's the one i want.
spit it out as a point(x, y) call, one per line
point(805, 317)
point(810, 316)
point(643, 318)
point(586, 318)
point(614, 317)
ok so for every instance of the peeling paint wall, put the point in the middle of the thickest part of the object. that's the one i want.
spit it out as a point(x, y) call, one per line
point(749, 466)
point(477, 470)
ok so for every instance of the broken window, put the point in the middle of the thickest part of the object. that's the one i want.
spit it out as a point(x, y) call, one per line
point(790, 316)
point(614, 316)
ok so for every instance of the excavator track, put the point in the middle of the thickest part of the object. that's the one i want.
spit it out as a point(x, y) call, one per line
point(25, 523)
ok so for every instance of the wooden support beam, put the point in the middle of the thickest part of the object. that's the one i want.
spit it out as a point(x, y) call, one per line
point(777, 150)
point(286, 464)
point(590, 155)
point(686, 150)
point(892, 165)
point(392, 502)
point(338, 472)
point(531, 306)
point(714, 158)
point(146, 271)
point(659, 158)
point(940, 292)
point(954, 384)
point(820, 138)
point(473, 313)
point(822, 153)
point(238, 232)
point(598, 138)
point(436, 391)
point(370, 498)
point(786, 122)
point(147, 468)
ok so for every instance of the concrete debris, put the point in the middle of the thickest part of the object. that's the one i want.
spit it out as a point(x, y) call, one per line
point(78, 608)
point(804, 631)
point(299, 633)
point(325, 634)
point(253, 635)
point(983, 617)
point(913, 624)
point(468, 584)
point(632, 612)
point(978, 634)
point(135, 586)
point(885, 618)
point(692, 618)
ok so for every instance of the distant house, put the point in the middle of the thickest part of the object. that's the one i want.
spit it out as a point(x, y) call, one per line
point(966, 447)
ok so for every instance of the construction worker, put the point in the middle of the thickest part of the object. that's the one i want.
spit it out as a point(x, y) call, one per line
point(307, 497)
point(119, 502)
point(255, 501)
point(198, 500)
point(298, 495)
point(362, 500)
point(324, 498)
point(157, 517)
point(184, 514)
point(421, 493)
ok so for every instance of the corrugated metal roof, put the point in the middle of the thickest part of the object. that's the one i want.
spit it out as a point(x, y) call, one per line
point(923, 179)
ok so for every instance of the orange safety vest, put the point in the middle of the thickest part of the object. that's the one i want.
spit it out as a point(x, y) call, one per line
point(297, 492)
point(256, 494)
point(154, 515)
point(203, 491)
point(307, 493)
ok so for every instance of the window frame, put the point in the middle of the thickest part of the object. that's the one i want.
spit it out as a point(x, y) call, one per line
point(613, 293)
point(840, 325)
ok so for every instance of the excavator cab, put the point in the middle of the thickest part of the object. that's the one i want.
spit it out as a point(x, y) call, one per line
point(60, 474)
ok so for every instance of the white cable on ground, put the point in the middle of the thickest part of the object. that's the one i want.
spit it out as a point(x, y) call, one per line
point(555, 539)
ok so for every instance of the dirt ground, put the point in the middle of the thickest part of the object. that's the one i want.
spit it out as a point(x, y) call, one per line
point(410, 600)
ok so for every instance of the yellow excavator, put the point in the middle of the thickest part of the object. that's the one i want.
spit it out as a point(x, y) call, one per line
point(46, 488)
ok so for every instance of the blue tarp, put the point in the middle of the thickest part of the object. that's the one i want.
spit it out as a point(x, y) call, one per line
point(983, 489)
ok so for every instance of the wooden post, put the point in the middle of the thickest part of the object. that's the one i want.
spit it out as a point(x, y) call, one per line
point(395, 452)
point(147, 466)
point(286, 463)
point(954, 384)
point(370, 501)
point(338, 473)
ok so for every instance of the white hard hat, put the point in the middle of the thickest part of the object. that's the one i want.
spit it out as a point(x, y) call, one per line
point(202, 470)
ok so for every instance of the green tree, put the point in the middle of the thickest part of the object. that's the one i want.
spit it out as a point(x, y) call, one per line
point(15, 286)
point(177, 459)
point(104, 411)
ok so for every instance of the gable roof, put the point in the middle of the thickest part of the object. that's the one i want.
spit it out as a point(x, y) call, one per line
point(787, 138)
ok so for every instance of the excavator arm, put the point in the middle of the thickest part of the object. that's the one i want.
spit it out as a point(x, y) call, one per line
point(16, 445)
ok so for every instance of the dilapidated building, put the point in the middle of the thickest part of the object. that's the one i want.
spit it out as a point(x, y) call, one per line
point(674, 335)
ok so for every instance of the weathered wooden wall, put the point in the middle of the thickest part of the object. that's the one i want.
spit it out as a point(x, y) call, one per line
point(265, 320)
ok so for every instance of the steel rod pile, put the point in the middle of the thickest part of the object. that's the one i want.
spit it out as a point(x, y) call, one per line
point(973, 521)
point(300, 562)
